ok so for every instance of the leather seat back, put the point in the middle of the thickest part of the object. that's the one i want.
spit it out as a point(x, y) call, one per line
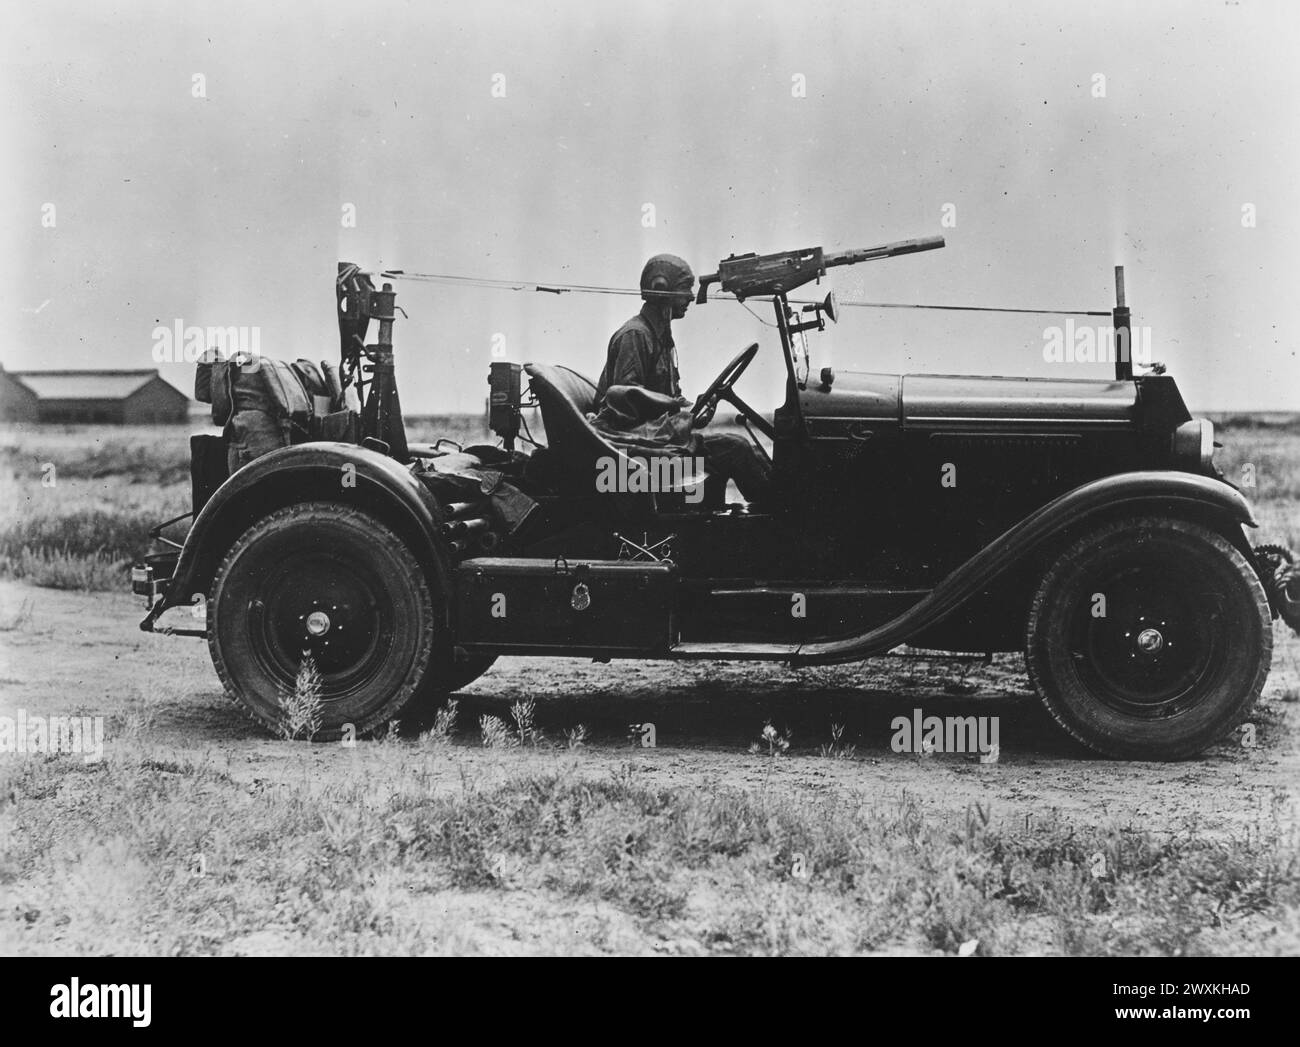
point(566, 397)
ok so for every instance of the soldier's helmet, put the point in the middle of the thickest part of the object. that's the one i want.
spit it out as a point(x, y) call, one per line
point(665, 272)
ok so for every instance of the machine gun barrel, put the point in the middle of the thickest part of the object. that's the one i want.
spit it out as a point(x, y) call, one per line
point(773, 274)
point(868, 254)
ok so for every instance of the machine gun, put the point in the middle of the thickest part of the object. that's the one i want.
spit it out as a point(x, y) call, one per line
point(748, 275)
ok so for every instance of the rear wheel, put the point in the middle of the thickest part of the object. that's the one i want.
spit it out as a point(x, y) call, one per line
point(331, 581)
point(1149, 639)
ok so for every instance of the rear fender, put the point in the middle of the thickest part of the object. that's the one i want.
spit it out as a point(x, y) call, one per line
point(335, 472)
point(1201, 498)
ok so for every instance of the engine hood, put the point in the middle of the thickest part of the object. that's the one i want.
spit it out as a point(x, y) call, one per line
point(954, 400)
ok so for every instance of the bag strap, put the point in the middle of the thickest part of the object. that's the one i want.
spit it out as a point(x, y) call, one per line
point(223, 393)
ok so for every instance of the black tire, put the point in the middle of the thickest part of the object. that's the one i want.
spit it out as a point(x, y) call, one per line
point(1178, 659)
point(379, 623)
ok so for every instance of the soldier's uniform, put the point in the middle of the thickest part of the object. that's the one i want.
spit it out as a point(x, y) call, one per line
point(642, 352)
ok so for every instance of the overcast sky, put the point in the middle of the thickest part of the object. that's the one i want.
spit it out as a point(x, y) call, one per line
point(227, 209)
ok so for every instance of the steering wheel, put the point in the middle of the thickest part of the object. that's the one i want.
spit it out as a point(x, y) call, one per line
point(720, 389)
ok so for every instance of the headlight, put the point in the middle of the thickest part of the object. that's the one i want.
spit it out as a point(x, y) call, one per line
point(1193, 443)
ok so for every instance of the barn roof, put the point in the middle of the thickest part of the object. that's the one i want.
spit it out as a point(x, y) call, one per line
point(86, 385)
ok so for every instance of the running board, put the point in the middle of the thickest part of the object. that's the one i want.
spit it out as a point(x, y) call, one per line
point(738, 652)
point(775, 652)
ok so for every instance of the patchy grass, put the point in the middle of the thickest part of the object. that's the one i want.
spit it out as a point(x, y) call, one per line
point(152, 455)
point(176, 857)
point(1261, 460)
point(301, 710)
point(495, 733)
point(60, 569)
point(837, 748)
point(121, 531)
point(444, 726)
point(80, 500)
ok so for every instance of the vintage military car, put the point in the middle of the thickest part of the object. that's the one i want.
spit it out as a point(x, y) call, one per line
point(1081, 521)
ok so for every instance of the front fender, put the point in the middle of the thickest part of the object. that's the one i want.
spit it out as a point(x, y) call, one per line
point(1172, 493)
point(336, 472)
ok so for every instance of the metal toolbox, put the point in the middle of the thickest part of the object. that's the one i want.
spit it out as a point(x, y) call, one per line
point(607, 607)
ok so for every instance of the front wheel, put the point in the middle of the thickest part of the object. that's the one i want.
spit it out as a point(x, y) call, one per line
point(1149, 639)
point(332, 582)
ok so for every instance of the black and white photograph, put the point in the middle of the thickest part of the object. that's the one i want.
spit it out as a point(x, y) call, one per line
point(512, 479)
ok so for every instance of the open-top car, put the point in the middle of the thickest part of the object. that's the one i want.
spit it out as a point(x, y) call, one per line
point(1080, 521)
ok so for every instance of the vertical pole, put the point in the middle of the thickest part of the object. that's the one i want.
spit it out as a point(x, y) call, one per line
point(781, 306)
point(1123, 333)
point(383, 411)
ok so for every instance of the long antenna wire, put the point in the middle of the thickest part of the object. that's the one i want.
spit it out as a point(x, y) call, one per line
point(529, 285)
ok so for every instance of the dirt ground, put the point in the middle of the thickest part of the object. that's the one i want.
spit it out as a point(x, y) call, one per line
point(80, 653)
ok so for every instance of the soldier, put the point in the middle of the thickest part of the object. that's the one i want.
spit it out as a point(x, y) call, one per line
point(642, 353)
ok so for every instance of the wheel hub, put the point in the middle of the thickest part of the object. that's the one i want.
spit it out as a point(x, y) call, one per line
point(323, 605)
point(1147, 656)
point(1150, 641)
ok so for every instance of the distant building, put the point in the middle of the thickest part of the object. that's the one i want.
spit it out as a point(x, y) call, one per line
point(17, 402)
point(87, 397)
